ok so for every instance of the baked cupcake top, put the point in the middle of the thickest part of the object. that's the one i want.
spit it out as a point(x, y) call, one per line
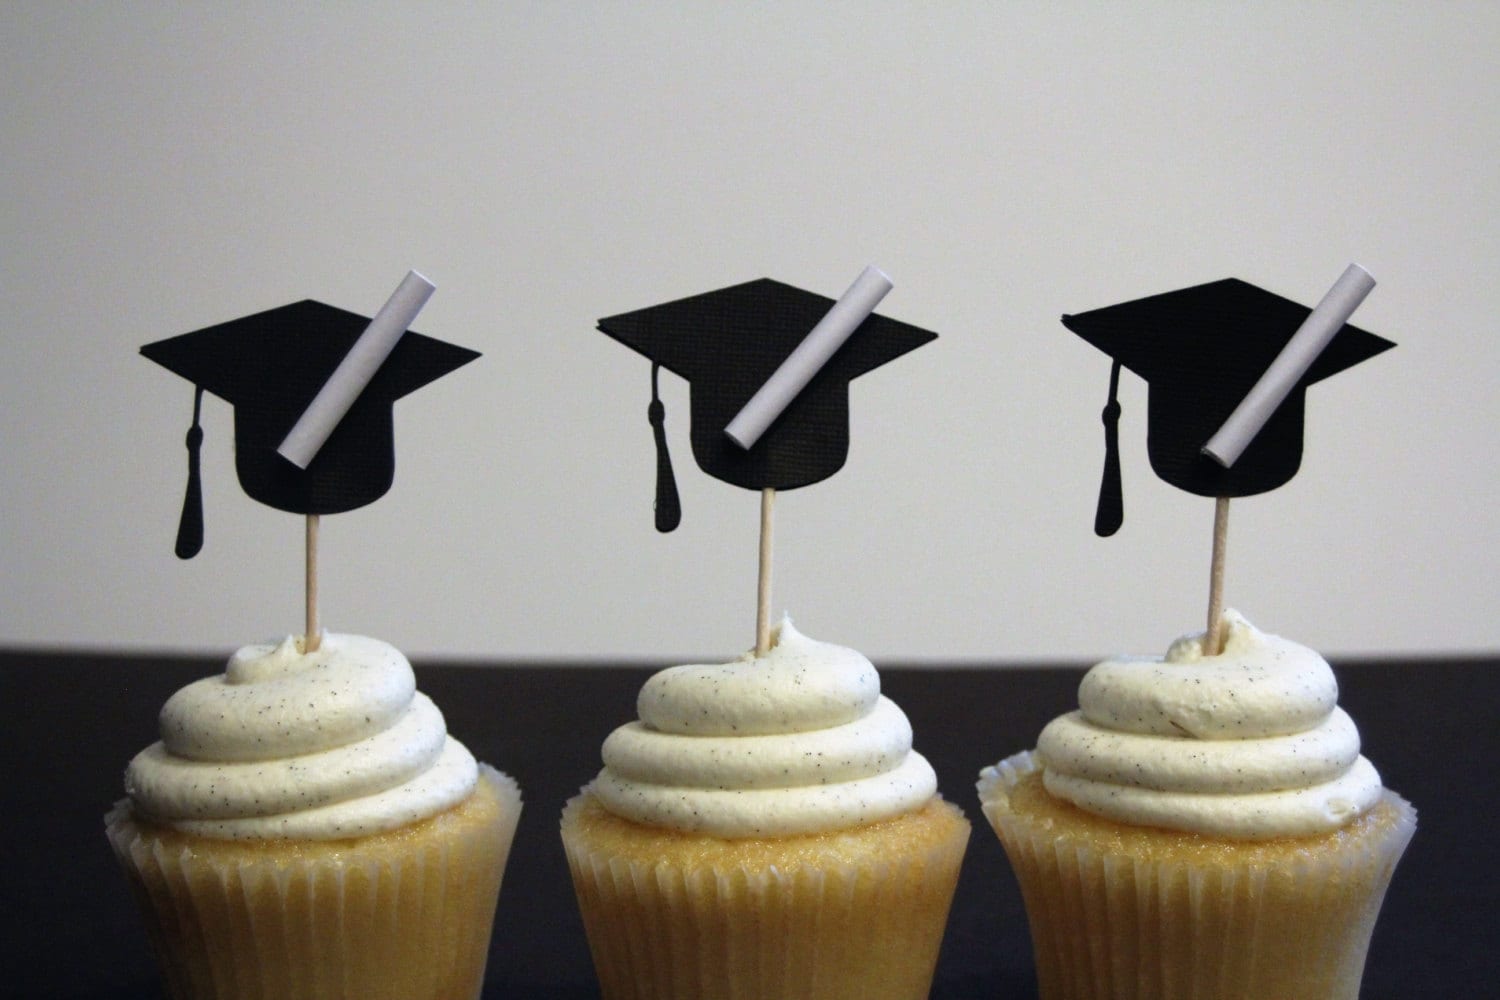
point(797, 741)
point(312, 746)
point(1248, 744)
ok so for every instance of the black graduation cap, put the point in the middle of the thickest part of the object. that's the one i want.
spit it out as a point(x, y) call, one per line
point(269, 366)
point(727, 343)
point(1201, 350)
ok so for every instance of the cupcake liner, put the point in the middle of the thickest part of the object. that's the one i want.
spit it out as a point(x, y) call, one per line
point(699, 929)
point(1263, 922)
point(401, 915)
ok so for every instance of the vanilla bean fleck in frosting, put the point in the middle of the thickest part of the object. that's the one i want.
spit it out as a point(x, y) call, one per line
point(1248, 744)
point(284, 744)
point(799, 740)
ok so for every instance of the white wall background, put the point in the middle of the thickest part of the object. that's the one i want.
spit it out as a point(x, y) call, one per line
point(166, 167)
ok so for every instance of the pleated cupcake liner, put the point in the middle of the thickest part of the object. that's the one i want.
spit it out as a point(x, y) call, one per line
point(1111, 926)
point(663, 931)
point(408, 919)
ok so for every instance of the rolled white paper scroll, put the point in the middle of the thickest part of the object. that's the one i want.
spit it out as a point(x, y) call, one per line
point(1326, 319)
point(809, 357)
point(359, 366)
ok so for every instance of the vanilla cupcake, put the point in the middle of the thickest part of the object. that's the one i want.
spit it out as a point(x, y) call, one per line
point(765, 830)
point(1202, 827)
point(307, 828)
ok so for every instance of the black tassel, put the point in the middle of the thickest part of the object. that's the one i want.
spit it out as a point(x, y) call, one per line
point(190, 527)
point(668, 505)
point(1111, 511)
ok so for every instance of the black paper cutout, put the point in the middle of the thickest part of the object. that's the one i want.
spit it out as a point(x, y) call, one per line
point(1110, 513)
point(726, 343)
point(270, 365)
point(1200, 351)
point(668, 506)
point(190, 525)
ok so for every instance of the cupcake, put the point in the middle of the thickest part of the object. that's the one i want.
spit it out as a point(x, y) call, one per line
point(765, 830)
point(1204, 826)
point(307, 828)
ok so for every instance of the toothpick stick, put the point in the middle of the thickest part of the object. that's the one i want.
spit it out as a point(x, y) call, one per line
point(313, 638)
point(763, 589)
point(1213, 640)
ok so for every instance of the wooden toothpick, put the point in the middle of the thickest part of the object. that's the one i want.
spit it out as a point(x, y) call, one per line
point(763, 588)
point(313, 637)
point(1213, 639)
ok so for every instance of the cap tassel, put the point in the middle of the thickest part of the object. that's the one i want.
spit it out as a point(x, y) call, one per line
point(668, 505)
point(190, 526)
point(1110, 513)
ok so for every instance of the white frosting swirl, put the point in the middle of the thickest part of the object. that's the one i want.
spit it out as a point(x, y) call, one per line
point(1248, 744)
point(315, 746)
point(799, 740)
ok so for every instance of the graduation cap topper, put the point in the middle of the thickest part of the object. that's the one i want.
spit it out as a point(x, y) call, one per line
point(312, 388)
point(768, 367)
point(1227, 366)
point(789, 352)
point(1210, 350)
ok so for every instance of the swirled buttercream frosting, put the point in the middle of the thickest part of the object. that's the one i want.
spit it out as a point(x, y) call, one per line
point(799, 740)
point(314, 746)
point(1247, 744)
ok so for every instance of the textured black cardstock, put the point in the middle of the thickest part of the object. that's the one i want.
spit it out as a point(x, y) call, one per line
point(269, 366)
point(1200, 350)
point(727, 343)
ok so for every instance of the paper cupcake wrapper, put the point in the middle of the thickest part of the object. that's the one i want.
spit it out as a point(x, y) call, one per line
point(408, 917)
point(1110, 925)
point(663, 931)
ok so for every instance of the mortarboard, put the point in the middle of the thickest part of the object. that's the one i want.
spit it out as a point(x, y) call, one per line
point(1201, 350)
point(269, 367)
point(727, 344)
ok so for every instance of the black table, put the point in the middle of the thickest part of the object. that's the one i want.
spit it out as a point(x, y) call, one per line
point(69, 722)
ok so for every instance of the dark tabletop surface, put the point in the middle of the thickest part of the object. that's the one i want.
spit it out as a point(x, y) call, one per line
point(70, 722)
